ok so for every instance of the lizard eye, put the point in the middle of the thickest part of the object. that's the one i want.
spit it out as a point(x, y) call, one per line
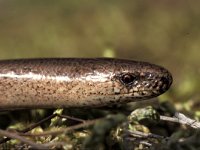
point(127, 79)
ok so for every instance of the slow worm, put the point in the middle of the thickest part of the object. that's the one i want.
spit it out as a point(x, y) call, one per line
point(78, 82)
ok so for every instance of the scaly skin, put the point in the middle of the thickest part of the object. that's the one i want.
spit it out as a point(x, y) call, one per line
point(78, 82)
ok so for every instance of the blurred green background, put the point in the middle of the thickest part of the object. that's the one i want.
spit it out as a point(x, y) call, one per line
point(164, 32)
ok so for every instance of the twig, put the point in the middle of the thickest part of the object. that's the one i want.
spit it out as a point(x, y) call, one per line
point(71, 118)
point(22, 139)
point(68, 129)
point(30, 127)
point(182, 119)
point(141, 137)
point(145, 135)
point(38, 123)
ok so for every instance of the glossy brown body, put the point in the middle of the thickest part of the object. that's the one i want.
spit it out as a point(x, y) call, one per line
point(76, 82)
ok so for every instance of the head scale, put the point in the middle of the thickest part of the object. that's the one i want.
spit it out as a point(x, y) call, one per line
point(139, 80)
point(110, 81)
